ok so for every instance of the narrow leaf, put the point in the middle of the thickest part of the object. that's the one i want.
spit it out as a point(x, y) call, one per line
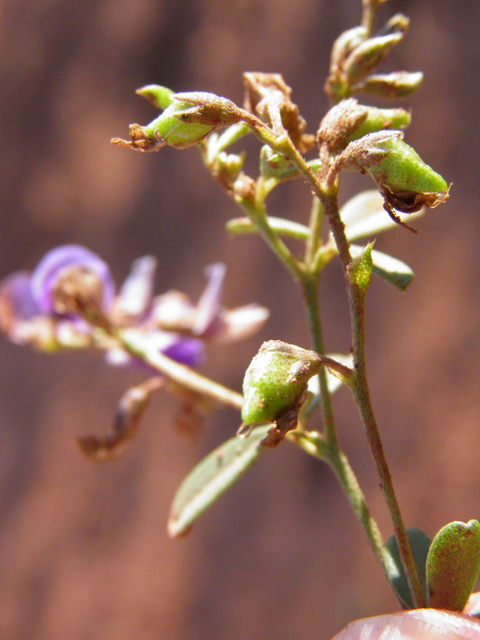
point(280, 225)
point(419, 543)
point(390, 269)
point(364, 215)
point(453, 565)
point(212, 477)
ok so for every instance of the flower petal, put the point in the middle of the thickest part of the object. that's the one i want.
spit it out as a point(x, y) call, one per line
point(16, 301)
point(208, 307)
point(136, 293)
point(46, 273)
point(416, 624)
point(240, 323)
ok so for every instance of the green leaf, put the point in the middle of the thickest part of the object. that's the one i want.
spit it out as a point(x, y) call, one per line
point(419, 543)
point(453, 565)
point(212, 477)
point(280, 225)
point(390, 269)
point(364, 215)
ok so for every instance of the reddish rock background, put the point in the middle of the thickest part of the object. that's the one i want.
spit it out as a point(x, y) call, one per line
point(83, 549)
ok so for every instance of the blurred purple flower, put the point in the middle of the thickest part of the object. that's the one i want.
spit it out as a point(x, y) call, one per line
point(174, 325)
point(56, 261)
point(188, 351)
point(136, 293)
point(208, 319)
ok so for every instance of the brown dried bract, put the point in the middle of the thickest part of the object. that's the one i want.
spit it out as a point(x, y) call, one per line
point(268, 96)
point(339, 123)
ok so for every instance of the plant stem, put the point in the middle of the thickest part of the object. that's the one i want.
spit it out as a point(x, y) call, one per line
point(369, 14)
point(257, 214)
point(310, 291)
point(362, 397)
point(137, 345)
point(315, 445)
point(315, 230)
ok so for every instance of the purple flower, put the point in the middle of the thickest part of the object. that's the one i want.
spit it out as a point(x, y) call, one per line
point(33, 309)
point(188, 351)
point(46, 274)
point(134, 299)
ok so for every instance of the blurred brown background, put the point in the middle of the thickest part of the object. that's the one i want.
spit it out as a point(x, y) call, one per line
point(84, 552)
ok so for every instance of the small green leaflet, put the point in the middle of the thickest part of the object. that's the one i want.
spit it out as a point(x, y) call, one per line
point(390, 269)
point(453, 565)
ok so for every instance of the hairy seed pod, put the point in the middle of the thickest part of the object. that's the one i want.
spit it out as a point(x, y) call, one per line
point(276, 381)
point(406, 182)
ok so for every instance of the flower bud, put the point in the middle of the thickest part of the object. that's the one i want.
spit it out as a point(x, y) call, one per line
point(345, 44)
point(227, 167)
point(276, 381)
point(272, 163)
point(369, 55)
point(336, 85)
point(349, 121)
point(398, 23)
point(391, 86)
point(160, 97)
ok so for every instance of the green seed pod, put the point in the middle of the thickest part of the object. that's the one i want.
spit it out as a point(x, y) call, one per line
point(378, 119)
point(404, 180)
point(276, 381)
point(167, 129)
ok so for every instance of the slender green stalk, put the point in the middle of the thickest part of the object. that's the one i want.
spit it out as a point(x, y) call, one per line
point(135, 343)
point(315, 230)
point(340, 465)
point(362, 397)
point(369, 14)
point(310, 291)
point(327, 193)
point(257, 213)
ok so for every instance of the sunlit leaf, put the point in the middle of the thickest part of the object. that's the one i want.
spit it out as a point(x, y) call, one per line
point(212, 477)
point(364, 215)
point(280, 225)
